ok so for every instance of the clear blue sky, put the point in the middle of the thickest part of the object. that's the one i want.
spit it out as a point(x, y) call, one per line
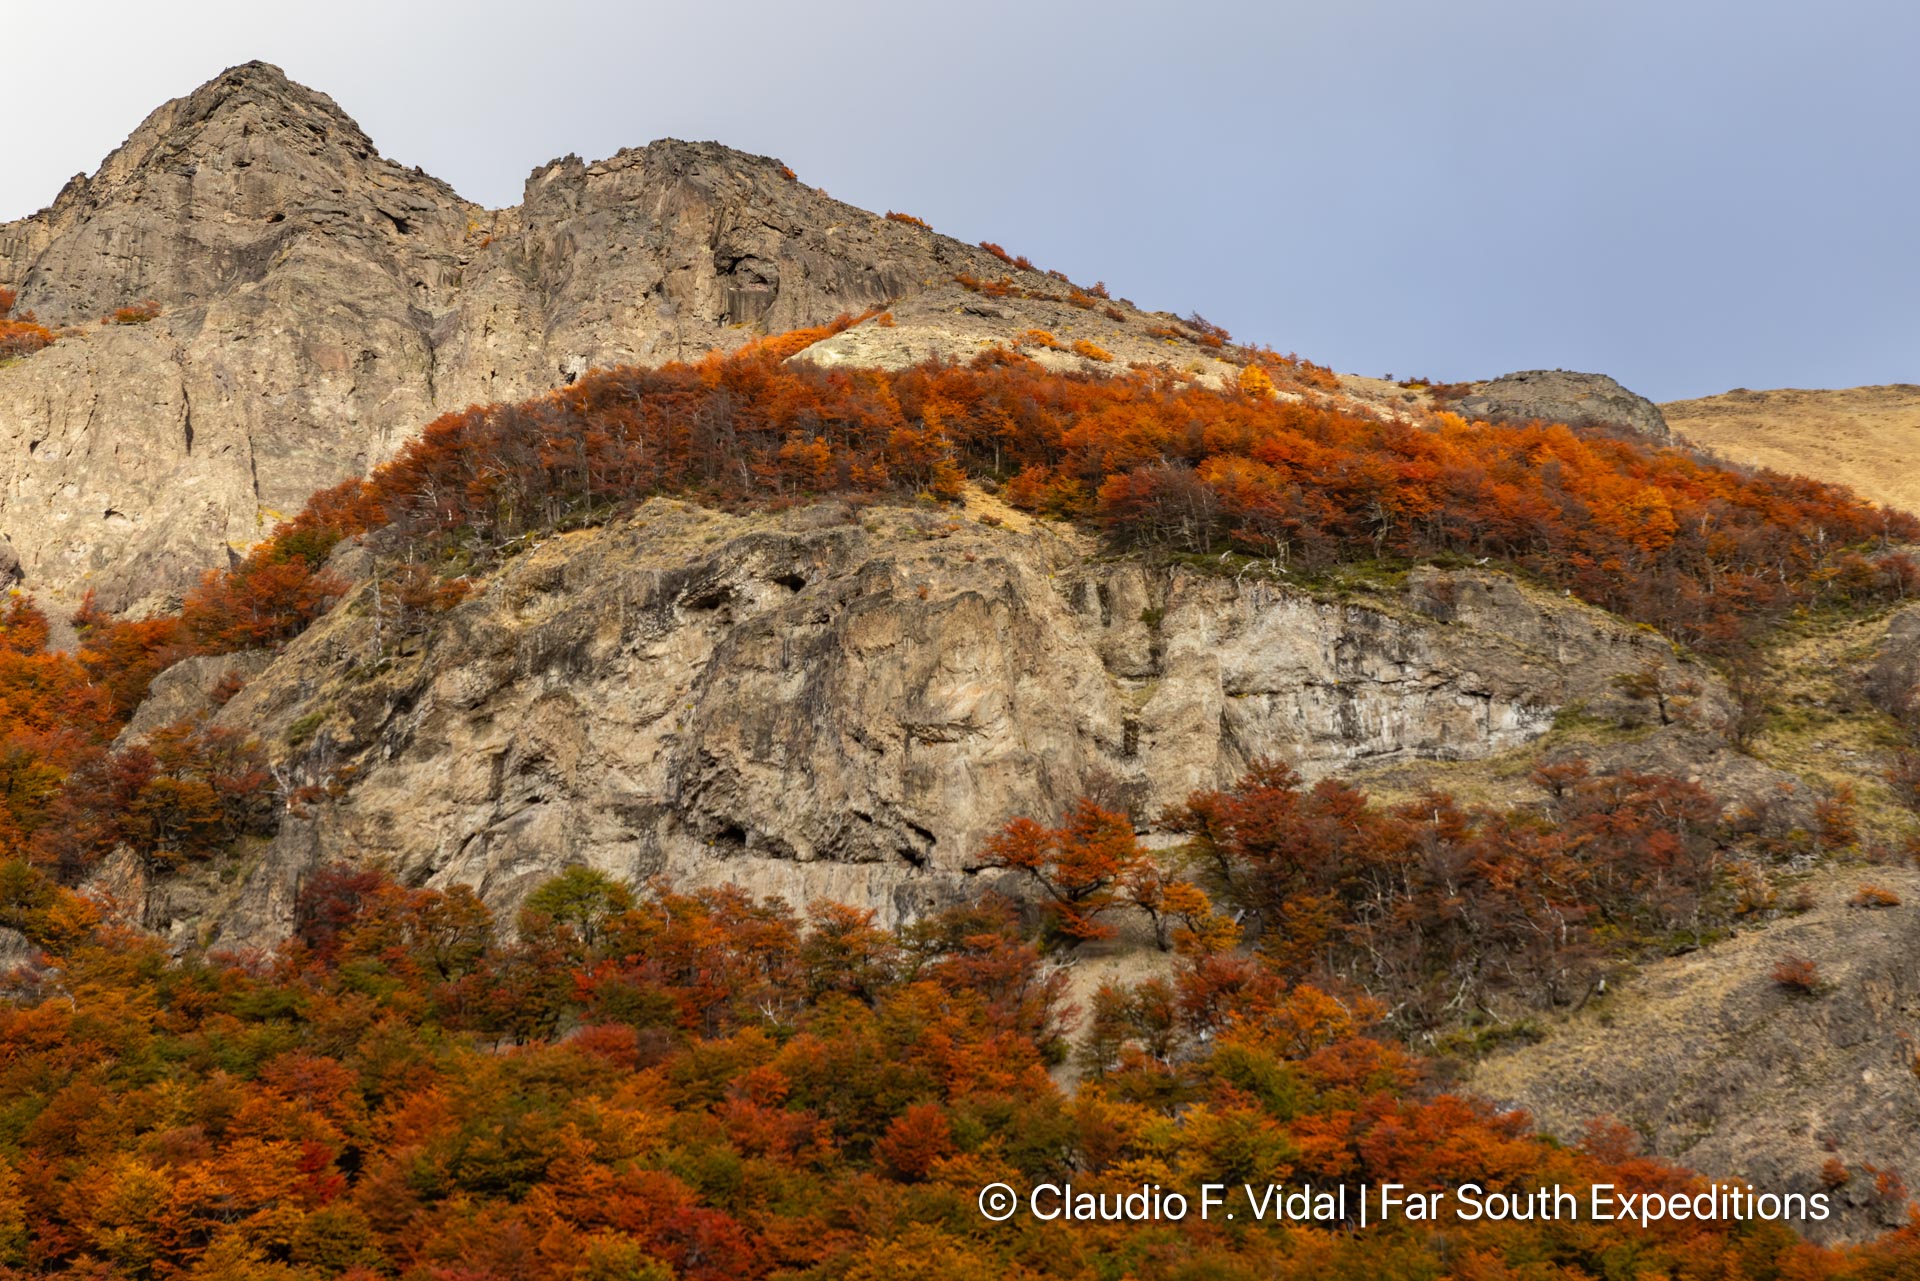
point(1689, 195)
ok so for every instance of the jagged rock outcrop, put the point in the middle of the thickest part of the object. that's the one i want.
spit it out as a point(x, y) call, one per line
point(320, 303)
point(827, 703)
point(193, 688)
point(298, 274)
point(1561, 396)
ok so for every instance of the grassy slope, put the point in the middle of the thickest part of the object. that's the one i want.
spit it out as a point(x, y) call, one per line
point(1863, 437)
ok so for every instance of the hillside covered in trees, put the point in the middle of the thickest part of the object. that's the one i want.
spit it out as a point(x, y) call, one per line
point(654, 1085)
point(1708, 554)
point(1276, 482)
point(638, 1082)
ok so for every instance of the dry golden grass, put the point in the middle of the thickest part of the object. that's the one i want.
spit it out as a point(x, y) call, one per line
point(1866, 438)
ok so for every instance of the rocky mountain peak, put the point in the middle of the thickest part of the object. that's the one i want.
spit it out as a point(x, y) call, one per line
point(261, 93)
point(207, 193)
point(317, 304)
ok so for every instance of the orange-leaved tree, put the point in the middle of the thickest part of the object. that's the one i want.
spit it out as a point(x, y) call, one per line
point(1086, 867)
point(20, 335)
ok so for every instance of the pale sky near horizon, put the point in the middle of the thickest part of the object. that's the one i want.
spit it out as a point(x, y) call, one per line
point(1690, 195)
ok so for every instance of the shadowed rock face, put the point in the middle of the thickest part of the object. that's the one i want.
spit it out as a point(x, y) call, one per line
point(320, 303)
point(1893, 682)
point(1558, 396)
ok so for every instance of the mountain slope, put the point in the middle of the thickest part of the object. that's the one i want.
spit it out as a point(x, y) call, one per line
point(818, 620)
point(1717, 1065)
point(1866, 438)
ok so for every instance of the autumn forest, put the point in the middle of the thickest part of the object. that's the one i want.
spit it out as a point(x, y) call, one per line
point(633, 1082)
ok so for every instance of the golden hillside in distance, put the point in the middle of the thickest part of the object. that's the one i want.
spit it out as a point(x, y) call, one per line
point(1867, 438)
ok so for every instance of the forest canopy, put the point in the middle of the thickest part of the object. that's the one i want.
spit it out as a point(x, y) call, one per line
point(1274, 468)
point(643, 1084)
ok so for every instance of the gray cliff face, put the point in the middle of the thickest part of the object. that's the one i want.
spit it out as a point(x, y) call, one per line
point(214, 189)
point(1560, 396)
point(298, 273)
point(320, 303)
point(821, 708)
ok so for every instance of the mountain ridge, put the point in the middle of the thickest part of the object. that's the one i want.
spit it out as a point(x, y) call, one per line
point(318, 304)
